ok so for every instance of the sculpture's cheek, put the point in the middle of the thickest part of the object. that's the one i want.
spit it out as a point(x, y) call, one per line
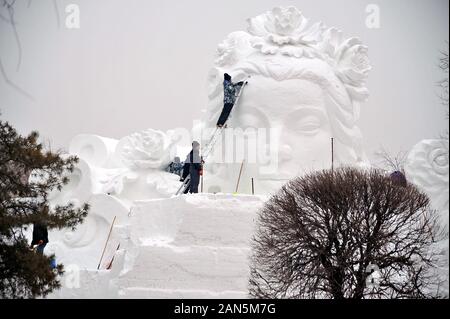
point(304, 141)
point(298, 153)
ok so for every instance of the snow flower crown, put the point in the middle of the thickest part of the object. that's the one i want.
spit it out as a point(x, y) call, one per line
point(285, 31)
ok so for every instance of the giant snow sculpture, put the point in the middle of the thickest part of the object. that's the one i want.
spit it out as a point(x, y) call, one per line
point(307, 83)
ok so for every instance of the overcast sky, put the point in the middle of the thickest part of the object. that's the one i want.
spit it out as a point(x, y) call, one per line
point(140, 64)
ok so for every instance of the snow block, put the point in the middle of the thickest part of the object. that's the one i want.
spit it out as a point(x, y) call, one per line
point(202, 219)
point(84, 245)
point(90, 284)
point(186, 268)
point(191, 246)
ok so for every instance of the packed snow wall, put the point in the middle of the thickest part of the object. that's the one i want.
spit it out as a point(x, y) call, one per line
point(191, 246)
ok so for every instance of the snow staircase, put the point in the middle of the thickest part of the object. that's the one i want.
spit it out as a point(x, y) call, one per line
point(190, 246)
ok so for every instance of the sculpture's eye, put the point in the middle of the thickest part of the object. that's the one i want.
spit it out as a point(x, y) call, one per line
point(307, 124)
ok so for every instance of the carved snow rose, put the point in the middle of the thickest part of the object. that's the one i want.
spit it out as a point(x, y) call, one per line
point(353, 66)
point(234, 47)
point(145, 149)
point(427, 166)
point(349, 58)
point(225, 52)
point(428, 163)
point(287, 32)
point(282, 30)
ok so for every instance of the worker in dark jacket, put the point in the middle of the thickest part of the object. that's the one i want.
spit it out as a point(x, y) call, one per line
point(176, 167)
point(399, 179)
point(40, 237)
point(230, 92)
point(193, 167)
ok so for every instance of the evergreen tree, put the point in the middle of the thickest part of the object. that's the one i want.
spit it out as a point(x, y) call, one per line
point(23, 202)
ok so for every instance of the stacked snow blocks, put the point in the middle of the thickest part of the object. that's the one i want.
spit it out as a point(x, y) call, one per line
point(192, 246)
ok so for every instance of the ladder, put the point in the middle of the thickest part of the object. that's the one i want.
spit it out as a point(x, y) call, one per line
point(210, 144)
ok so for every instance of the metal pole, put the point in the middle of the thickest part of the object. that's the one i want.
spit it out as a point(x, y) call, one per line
point(253, 187)
point(332, 154)
point(201, 185)
point(239, 178)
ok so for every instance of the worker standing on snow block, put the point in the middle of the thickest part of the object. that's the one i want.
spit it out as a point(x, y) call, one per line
point(193, 166)
point(230, 92)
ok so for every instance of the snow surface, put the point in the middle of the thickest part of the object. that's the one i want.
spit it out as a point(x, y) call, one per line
point(191, 246)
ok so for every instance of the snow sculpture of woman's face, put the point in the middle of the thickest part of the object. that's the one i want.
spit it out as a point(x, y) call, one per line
point(306, 84)
point(296, 109)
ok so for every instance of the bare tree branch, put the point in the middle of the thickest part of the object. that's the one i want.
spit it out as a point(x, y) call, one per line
point(10, 9)
point(391, 162)
point(12, 84)
point(444, 85)
point(55, 6)
point(9, 5)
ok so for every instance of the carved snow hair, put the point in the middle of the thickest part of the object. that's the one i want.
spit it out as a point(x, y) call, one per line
point(282, 44)
point(284, 31)
point(342, 110)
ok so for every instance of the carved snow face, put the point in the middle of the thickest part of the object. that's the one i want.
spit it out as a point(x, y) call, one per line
point(307, 83)
point(297, 108)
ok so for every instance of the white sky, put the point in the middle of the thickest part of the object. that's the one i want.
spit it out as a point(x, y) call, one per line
point(140, 64)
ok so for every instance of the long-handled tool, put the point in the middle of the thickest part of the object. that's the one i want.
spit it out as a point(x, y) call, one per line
point(109, 235)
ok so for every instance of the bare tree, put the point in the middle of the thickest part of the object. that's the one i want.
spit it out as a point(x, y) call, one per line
point(7, 15)
point(443, 84)
point(9, 18)
point(322, 234)
point(390, 162)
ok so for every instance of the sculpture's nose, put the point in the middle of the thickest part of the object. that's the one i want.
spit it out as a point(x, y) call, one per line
point(285, 153)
